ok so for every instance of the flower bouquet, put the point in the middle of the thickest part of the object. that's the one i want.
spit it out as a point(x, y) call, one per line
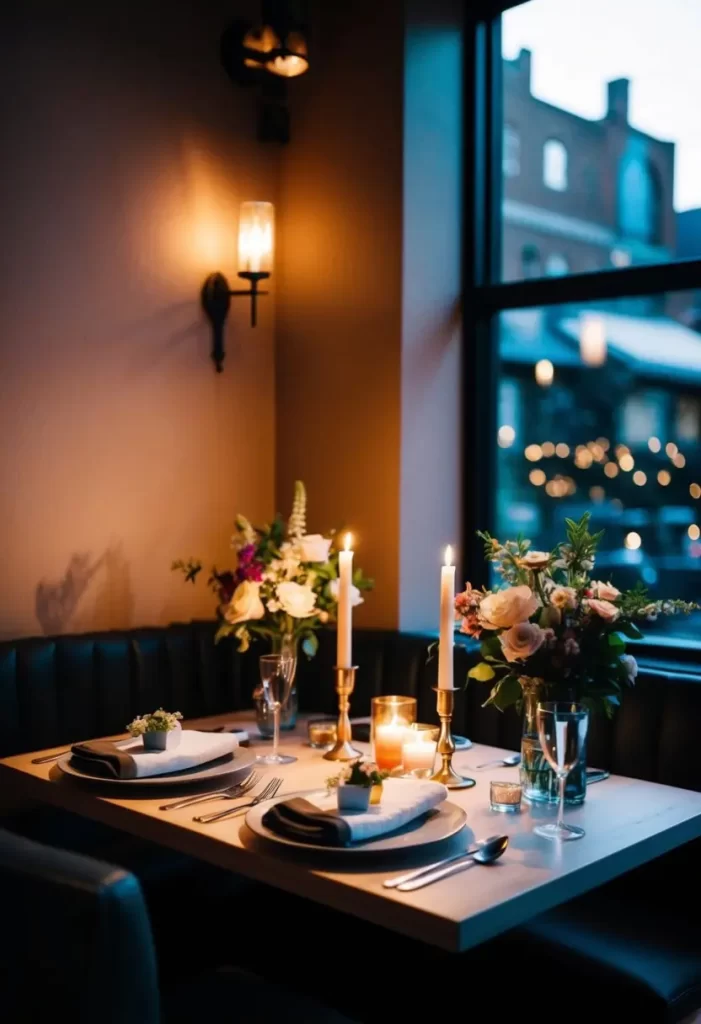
point(160, 730)
point(358, 785)
point(284, 585)
point(555, 630)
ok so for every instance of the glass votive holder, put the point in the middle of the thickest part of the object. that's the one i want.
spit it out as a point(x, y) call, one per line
point(322, 733)
point(505, 797)
point(390, 717)
point(419, 750)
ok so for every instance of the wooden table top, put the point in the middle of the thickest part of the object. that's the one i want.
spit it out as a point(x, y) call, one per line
point(628, 822)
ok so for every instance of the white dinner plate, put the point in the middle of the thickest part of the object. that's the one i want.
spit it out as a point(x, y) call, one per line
point(441, 823)
point(236, 765)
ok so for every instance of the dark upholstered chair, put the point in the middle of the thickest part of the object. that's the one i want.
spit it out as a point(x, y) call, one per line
point(77, 946)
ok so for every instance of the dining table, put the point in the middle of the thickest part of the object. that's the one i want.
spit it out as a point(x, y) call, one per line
point(627, 821)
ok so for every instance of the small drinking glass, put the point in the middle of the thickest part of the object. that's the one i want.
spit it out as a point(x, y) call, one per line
point(505, 797)
point(276, 675)
point(562, 730)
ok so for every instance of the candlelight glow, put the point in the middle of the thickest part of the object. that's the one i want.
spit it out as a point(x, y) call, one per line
point(348, 541)
point(256, 238)
point(448, 555)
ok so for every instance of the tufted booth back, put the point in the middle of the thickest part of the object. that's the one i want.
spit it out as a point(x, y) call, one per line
point(57, 690)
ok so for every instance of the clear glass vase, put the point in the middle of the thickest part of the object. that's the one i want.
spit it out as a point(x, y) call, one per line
point(537, 777)
point(281, 644)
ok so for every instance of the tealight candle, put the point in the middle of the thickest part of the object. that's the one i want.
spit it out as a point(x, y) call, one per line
point(418, 753)
point(389, 742)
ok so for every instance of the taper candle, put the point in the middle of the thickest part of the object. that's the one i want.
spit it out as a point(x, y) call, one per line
point(344, 649)
point(447, 623)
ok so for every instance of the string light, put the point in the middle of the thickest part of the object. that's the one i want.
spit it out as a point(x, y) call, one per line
point(679, 460)
point(695, 490)
point(562, 450)
point(633, 541)
point(663, 478)
point(506, 436)
point(626, 462)
point(694, 532)
point(583, 458)
point(537, 477)
point(597, 494)
point(671, 449)
point(654, 444)
point(534, 453)
point(544, 373)
point(639, 478)
point(604, 442)
point(548, 449)
point(611, 470)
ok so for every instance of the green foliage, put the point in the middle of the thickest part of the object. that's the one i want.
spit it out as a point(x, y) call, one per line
point(482, 672)
point(504, 693)
point(190, 568)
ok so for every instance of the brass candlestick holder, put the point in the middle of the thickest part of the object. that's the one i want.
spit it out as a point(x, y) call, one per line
point(446, 774)
point(343, 749)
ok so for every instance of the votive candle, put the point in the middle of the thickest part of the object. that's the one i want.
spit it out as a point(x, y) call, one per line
point(418, 754)
point(389, 742)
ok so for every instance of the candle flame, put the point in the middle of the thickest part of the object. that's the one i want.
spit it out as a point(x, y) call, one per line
point(348, 541)
point(449, 555)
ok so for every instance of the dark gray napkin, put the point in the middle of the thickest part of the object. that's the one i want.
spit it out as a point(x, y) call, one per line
point(300, 820)
point(103, 757)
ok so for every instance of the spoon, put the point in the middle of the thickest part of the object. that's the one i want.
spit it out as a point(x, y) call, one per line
point(487, 854)
point(505, 762)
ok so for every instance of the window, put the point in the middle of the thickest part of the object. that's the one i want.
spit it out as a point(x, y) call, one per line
point(511, 157)
point(638, 201)
point(586, 299)
point(556, 265)
point(555, 165)
point(619, 181)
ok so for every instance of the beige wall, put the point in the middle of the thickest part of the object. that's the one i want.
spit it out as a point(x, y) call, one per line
point(125, 154)
point(338, 344)
point(368, 332)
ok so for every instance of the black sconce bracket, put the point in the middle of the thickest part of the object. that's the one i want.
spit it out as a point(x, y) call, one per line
point(216, 300)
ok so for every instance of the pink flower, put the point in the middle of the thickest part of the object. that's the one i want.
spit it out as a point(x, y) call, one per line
point(506, 608)
point(604, 609)
point(466, 601)
point(564, 598)
point(521, 641)
point(604, 591)
point(471, 624)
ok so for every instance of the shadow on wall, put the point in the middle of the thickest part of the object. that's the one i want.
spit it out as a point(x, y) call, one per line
point(56, 603)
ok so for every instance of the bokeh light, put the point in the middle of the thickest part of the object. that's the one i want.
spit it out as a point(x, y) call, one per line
point(506, 436)
point(664, 478)
point(654, 444)
point(633, 541)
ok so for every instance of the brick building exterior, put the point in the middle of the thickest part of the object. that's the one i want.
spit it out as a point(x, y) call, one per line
point(580, 195)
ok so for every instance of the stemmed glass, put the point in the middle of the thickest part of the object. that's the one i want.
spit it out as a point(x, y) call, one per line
point(562, 729)
point(276, 675)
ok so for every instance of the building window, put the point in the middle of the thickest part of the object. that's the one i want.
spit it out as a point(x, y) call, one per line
point(642, 418)
point(555, 165)
point(531, 264)
point(638, 196)
point(556, 265)
point(688, 417)
point(511, 157)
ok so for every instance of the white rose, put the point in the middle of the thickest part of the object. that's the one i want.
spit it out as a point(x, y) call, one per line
point(505, 608)
point(605, 591)
point(521, 641)
point(604, 609)
point(296, 600)
point(314, 548)
point(355, 595)
point(631, 667)
point(245, 603)
point(536, 560)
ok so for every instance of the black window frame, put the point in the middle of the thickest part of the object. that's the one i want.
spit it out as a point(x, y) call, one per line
point(486, 296)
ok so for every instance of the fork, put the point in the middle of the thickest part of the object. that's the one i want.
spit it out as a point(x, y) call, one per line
point(266, 794)
point(220, 794)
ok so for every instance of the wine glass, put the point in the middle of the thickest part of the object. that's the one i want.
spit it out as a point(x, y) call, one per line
point(276, 674)
point(562, 729)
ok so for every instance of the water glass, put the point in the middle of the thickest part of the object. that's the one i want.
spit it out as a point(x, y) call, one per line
point(276, 675)
point(562, 730)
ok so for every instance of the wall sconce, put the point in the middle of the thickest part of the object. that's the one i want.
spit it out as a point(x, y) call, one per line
point(282, 53)
point(256, 247)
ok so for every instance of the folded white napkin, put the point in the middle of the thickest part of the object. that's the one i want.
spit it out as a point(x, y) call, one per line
point(402, 801)
point(195, 748)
